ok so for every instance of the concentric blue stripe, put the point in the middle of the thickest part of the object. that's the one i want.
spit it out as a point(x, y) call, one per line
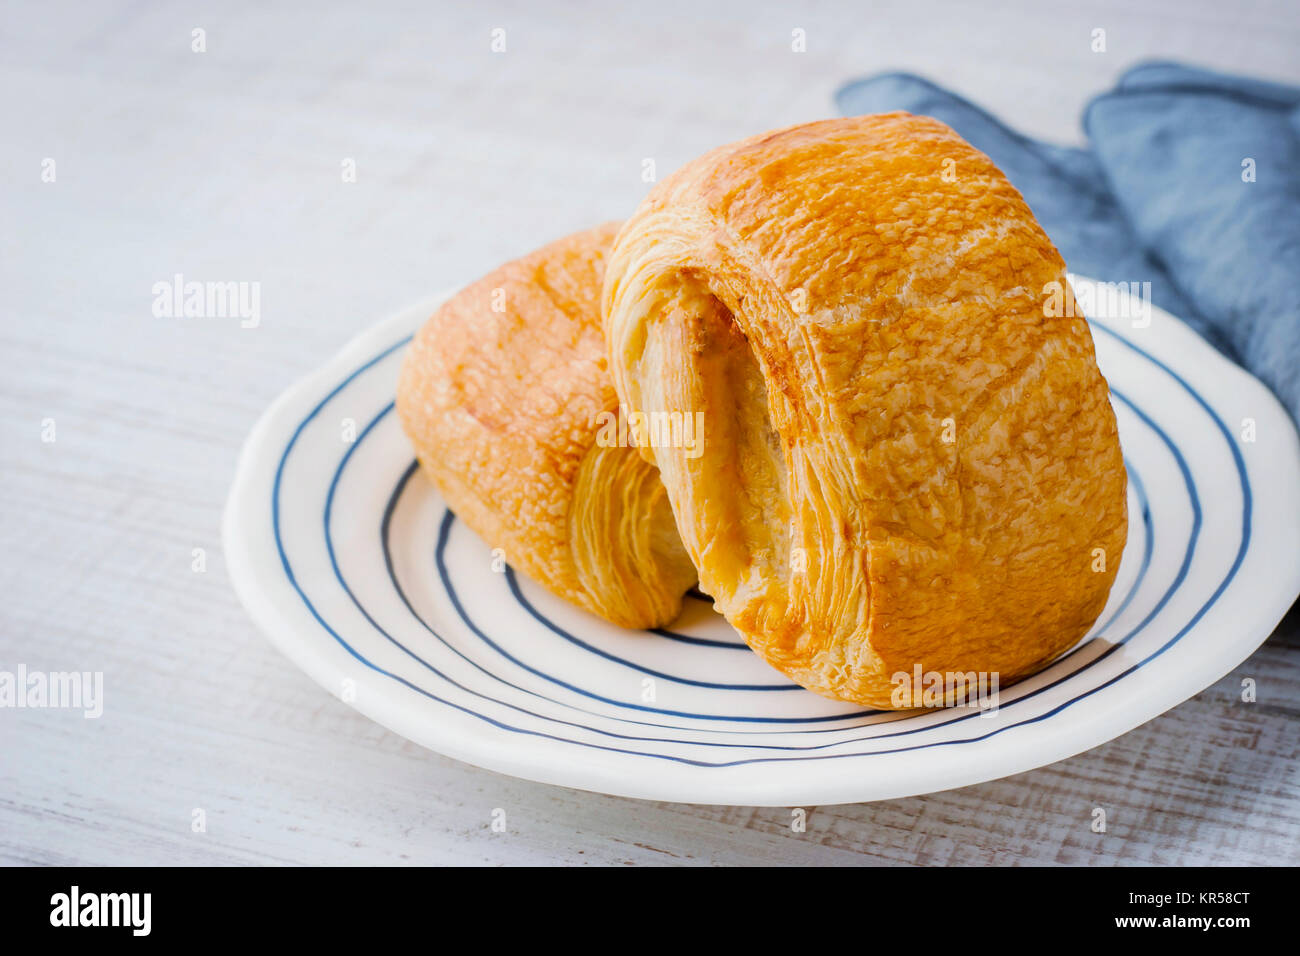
point(1246, 521)
point(478, 631)
point(443, 535)
point(449, 518)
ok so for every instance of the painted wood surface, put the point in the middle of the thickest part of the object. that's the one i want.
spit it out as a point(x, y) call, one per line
point(227, 165)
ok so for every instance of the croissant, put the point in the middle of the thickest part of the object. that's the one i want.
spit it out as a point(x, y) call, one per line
point(505, 395)
point(910, 459)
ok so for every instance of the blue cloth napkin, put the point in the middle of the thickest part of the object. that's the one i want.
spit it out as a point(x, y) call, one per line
point(1162, 197)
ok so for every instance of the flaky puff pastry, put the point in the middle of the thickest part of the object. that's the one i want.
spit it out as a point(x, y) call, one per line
point(906, 459)
point(504, 393)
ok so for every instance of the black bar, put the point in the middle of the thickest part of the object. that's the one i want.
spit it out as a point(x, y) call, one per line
point(942, 906)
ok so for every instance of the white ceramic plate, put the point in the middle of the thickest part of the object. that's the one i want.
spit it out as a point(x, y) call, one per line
point(355, 569)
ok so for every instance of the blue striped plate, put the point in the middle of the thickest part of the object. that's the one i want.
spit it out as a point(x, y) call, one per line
point(355, 569)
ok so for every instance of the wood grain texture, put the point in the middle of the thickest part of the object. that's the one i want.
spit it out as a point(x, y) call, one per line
point(225, 166)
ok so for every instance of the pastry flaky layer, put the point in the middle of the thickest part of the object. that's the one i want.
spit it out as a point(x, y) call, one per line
point(910, 462)
point(504, 393)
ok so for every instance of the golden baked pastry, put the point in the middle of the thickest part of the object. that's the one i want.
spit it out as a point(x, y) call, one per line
point(908, 460)
point(504, 394)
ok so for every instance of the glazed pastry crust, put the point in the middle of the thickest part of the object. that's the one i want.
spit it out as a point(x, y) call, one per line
point(906, 459)
point(501, 393)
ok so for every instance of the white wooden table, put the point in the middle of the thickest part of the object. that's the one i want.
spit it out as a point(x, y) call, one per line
point(227, 165)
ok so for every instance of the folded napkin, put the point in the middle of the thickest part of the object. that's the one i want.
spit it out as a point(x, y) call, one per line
point(1192, 183)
